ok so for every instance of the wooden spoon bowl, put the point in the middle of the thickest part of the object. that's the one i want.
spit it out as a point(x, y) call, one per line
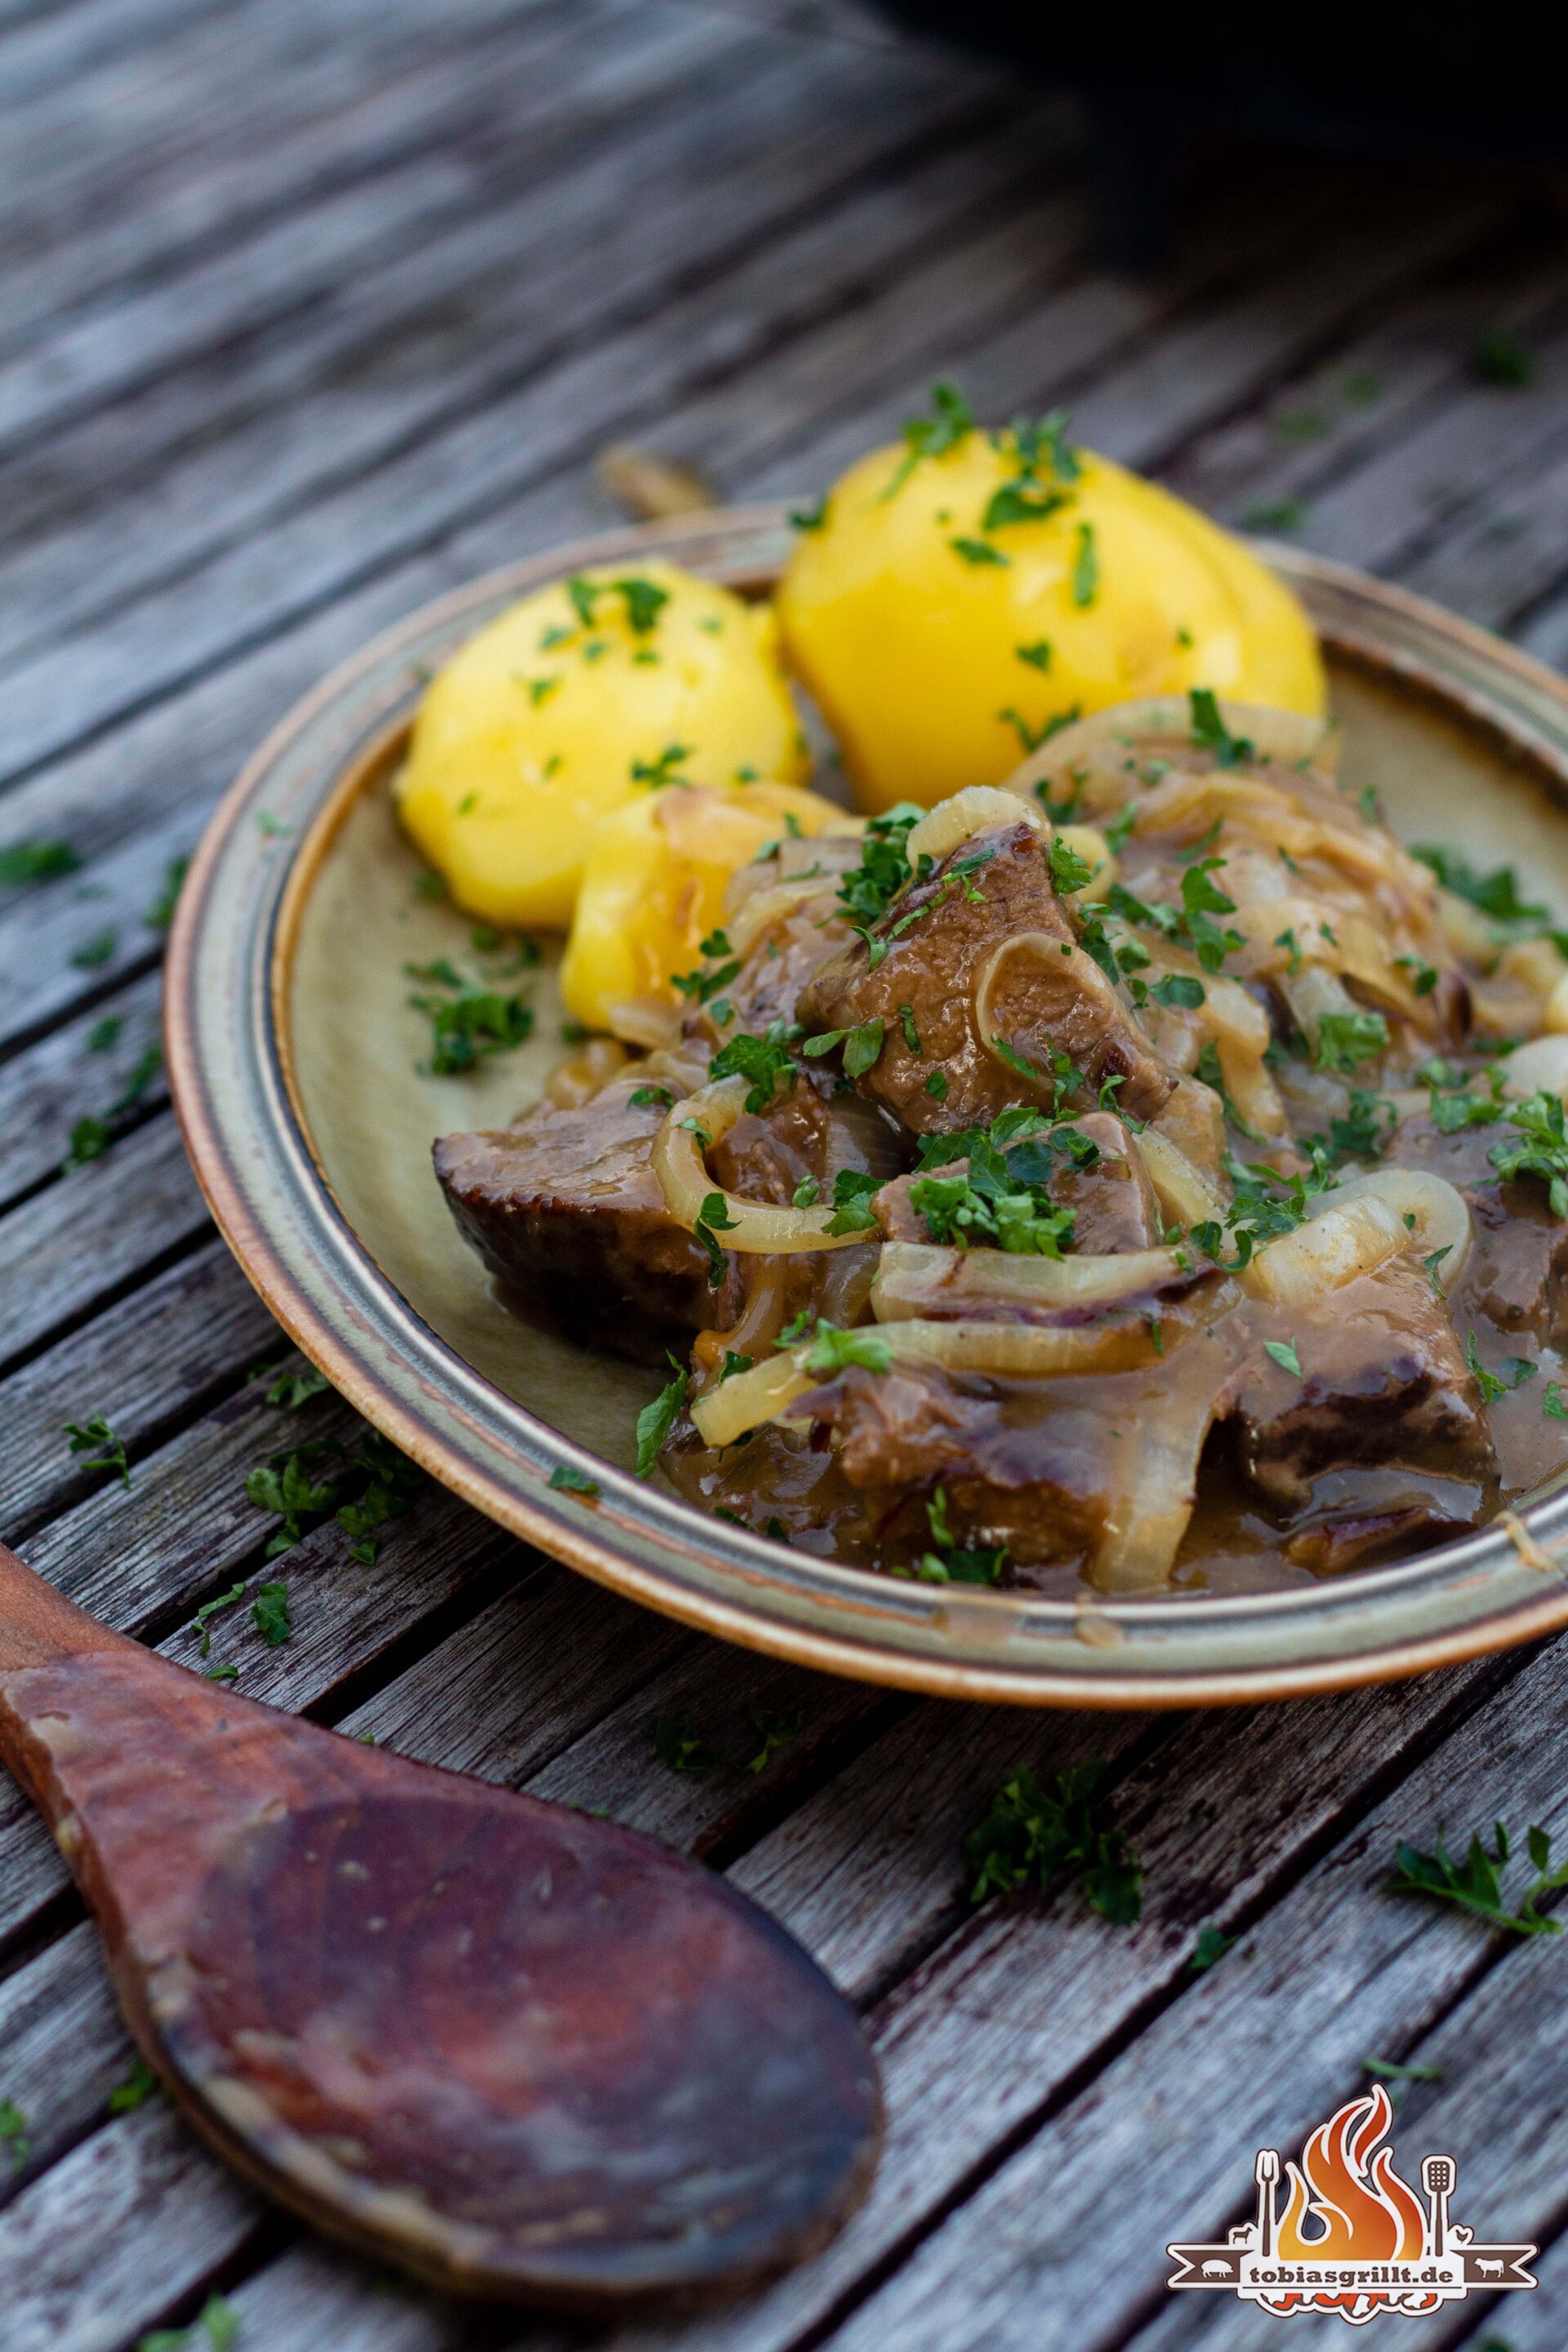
point(517, 2050)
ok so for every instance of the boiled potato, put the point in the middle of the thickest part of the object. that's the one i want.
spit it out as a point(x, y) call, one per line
point(653, 890)
point(567, 705)
point(962, 592)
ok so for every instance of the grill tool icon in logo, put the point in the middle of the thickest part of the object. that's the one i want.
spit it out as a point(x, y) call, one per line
point(1353, 2237)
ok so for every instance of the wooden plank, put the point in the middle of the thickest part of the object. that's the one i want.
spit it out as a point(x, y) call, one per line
point(100, 1226)
point(131, 2220)
point(160, 1357)
point(68, 1077)
point(715, 196)
point(1065, 2243)
point(63, 2049)
point(276, 267)
point(167, 479)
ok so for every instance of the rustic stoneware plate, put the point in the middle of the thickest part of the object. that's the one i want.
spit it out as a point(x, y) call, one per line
point(292, 1051)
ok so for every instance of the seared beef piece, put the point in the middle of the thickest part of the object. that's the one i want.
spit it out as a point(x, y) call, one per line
point(1383, 1381)
point(1517, 1274)
point(564, 1207)
point(1113, 1207)
point(930, 965)
point(1351, 1542)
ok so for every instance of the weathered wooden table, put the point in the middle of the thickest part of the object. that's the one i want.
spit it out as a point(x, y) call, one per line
point(309, 311)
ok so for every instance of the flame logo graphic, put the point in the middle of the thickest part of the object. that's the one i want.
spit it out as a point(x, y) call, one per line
point(1362, 2210)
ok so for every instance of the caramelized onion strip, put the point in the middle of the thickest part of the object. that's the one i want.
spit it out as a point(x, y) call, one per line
point(1144, 1529)
point(915, 1278)
point(746, 1399)
point(1359, 1227)
point(979, 808)
point(755, 1227)
point(1182, 1190)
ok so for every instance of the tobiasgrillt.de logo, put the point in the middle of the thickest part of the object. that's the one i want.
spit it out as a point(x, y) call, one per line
point(1353, 2238)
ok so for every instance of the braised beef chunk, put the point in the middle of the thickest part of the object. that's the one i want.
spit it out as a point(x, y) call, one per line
point(564, 1207)
point(1517, 1274)
point(934, 946)
point(776, 965)
point(1382, 1380)
point(1112, 1205)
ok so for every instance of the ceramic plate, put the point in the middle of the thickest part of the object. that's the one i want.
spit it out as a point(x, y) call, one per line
point(292, 1051)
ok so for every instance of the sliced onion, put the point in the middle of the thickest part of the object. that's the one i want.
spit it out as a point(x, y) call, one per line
point(1542, 1064)
point(746, 1399)
point(763, 908)
point(1182, 1190)
point(1359, 1227)
point(1314, 995)
point(1274, 734)
point(1143, 1532)
point(914, 1279)
point(979, 808)
point(756, 1226)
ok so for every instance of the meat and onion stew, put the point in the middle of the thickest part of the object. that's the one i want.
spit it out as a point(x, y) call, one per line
point(1146, 1172)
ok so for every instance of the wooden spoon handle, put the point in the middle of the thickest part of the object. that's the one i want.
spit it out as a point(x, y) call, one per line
point(39, 1627)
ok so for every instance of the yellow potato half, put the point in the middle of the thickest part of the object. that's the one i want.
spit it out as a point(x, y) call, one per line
point(540, 722)
point(942, 633)
point(653, 890)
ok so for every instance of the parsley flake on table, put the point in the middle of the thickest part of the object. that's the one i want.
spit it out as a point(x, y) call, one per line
point(1211, 1945)
point(14, 2135)
point(678, 1743)
point(1474, 1885)
point(161, 913)
point(24, 862)
point(217, 2322)
point(98, 1442)
point(270, 1614)
point(135, 2091)
point(1034, 1838)
point(202, 1621)
point(775, 1731)
point(292, 1390)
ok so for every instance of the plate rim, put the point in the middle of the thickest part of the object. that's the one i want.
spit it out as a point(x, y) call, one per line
point(622, 1541)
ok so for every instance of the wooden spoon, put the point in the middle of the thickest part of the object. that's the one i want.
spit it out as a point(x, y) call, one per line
point(516, 2049)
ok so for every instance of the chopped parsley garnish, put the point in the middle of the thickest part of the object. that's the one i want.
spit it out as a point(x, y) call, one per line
point(703, 986)
point(732, 1364)
point(1345, 1040)
point(657, 1420)
point(1265, 1204)
point(1041, 444)
point(651, 1098)
point(678, 1743)
point(1542, 1149)
point(950, 1562)
point(290, 1389)
point(161, 913)
point(867, 890)
point(13, 2136)
point(714, 1218)
point(862, 1045)
point(1084, 567)
point(1037, 656)
point(657, 774)
point(761, 1060)
point(806, 1194)
point(1453, 1107)
point(936, 1086)
point(1211, 1945)
point(811, 518)
point(1474, 1885)
point(1551, 1404)
point(36, 861)
point(1031, 1837)
point(643, 602)
point(907, 1023)
point(1021, 501)
point(1512, 1374)
point(852, 1210)
point(835, 1350)
point(1069, 872)
point(775, 1731)
point(978, 551)
point(1210, 732)
point(1179, 988)
point(1364, 1133)
point(468, 1022)
point(1201, 900)
point(1495, 894)
point(567, 1481)
point(1002, 1202)
point(949, 423)
point(201, 1624)
point(98, 1442)
point(1284, 1355)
